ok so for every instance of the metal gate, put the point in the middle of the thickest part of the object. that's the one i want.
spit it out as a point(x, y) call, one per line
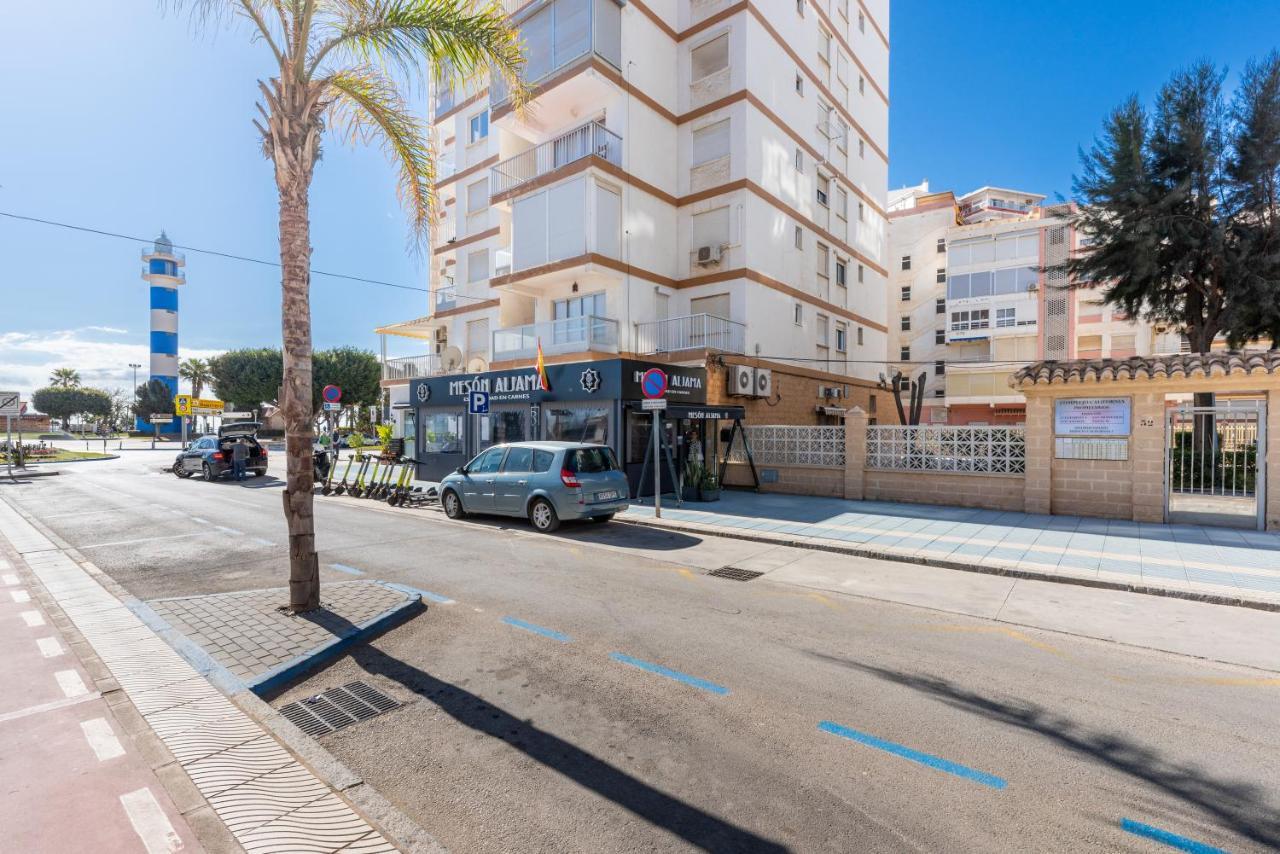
point(1215, 471)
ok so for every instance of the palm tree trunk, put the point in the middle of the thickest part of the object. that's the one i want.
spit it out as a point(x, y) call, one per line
point(295, 262)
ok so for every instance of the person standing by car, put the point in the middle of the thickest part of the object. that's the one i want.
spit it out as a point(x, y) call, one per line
point(239, 456)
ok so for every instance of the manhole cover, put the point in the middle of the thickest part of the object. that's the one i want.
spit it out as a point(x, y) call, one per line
point(734, 574)
point(337, 708)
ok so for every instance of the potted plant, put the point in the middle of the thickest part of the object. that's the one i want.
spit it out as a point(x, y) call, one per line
point(709, 486)
point(693, 474)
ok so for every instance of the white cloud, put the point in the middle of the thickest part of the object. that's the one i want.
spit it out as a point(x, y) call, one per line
point(27, 359)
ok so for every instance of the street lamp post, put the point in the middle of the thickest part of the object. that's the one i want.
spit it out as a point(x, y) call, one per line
point(135, 367)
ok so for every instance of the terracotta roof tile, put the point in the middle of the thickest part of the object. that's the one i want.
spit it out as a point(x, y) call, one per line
point(1216, 364)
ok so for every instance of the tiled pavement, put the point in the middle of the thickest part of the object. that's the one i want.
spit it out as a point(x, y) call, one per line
point(1219, 564)
point(246, 632)
point(267, 799)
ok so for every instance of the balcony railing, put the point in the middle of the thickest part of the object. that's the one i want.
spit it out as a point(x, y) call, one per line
point(561, 32)
point(691, 332)
point(591, 139)
point(176, 275)
point(568, 335)
point(148, 254)
point(446, 298)
point(410, 367)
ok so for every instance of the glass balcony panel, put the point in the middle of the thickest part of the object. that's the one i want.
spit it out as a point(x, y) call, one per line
point(567, 335)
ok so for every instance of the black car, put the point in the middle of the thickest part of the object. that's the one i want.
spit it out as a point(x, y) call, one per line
point(210, 456)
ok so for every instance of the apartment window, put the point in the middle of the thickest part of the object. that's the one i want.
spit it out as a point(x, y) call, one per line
point(842, 136)
point(799, 159)
point(710, 228)
point(861, 276)
point(939, 336)
point(824, 190)
point(799, 85)
point(822, 324)
point(906, 293)
point(824, 259)
point(862, 22)
point(873, 397)
point(939, 367)
point(939, 392)
point(862, 147)
point(842, 203)
point(478, 196)
point(479, 126)
point(941, 276)
point(962, 321)
point(478, 265)
point(905, 353)
point(843, 7)
point(940, 305)
point(590, 305)
point(862, 212)
point(862, 85)
point(799, 237)
point(906, 262)
point(824, 45)
point(842, 336)
point(711, 143)
point(842, 273)
point(842, 67)
point(800, 8)
point(1006, 317)
point(942, 246)
point(797, 314)
point(904, 323)
point(710, 58)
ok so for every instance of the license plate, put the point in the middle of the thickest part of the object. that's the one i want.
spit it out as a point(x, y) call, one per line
point(606, 496)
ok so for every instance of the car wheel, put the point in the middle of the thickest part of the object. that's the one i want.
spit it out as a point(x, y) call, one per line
point(452, 505)
point(601, 519)
point(543, 516)
point(182, 473)
point(209, 474)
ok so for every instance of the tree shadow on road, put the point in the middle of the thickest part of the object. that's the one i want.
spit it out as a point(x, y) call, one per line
point(695, 826)
point(1240, 806)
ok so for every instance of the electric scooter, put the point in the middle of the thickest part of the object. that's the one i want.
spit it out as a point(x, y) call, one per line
point(379, 490)
point(401, 489)
point(367, 486)
point(342, 484)
point(358, 484)
point(327, 487)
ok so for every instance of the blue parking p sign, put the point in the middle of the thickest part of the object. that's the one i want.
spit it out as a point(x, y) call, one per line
point(478, 403)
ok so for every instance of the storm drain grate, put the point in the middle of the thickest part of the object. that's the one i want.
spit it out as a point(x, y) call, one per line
point(734, 574)
point(337, 708)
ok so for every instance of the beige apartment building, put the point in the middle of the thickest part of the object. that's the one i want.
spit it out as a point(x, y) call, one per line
point(698, 182)
point(974, 303)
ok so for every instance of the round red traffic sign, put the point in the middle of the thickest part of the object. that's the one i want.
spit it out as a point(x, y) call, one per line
point(331, 394)
point(653, 383)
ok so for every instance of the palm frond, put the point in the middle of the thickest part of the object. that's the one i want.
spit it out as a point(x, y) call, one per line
point(365, 105)
point(268, 17)
point(472, 40)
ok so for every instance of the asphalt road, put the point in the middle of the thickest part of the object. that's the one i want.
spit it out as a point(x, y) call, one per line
point(597, 691)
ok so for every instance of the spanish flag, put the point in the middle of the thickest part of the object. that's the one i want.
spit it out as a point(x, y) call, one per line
point(542, 369)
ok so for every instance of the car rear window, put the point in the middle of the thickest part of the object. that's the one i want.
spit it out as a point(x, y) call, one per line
point(592, 460)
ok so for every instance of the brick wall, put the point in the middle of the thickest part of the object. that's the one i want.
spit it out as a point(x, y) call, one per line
point(793, 480)
point(1092, 488)
point(993, 492)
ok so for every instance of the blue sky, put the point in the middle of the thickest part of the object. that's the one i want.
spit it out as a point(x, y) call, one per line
point(121, 118)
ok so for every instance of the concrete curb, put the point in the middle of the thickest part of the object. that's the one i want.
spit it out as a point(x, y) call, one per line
point(28, 473)
point(69, 462)
point(942, 563)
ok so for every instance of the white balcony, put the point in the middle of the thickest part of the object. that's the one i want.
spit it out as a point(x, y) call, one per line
point(568, 335)
point(558, 33)
point(691, 332)
point(590, 140)
point(412, 367)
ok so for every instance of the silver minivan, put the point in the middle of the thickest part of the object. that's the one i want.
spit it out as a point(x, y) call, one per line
point(546, 482)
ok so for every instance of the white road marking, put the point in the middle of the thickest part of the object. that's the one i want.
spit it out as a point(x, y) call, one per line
point(262, 542)
point(32, 619)
point(150, 822)
point(47, 707)
point(49, 647)
point(71, 683)
point(20, 595)
point(198, 519)
point(102, 739)
point(227, 530)
point(143, 540)
point(88, 513)
point(10, 578)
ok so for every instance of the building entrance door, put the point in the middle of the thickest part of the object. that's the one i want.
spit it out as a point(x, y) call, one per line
point(1215, 466)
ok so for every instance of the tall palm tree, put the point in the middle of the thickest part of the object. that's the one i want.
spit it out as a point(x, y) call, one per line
point(196, 372)
point(344, 65)
point(64, 378)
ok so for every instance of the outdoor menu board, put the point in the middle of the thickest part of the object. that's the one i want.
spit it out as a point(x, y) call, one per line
point(1091, 416)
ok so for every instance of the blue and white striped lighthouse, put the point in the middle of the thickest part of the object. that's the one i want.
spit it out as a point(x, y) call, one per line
point(162, 271)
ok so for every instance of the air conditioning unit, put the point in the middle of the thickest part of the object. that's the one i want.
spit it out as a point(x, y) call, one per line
point(764, 382)
point(708, 255)
point(742, 381)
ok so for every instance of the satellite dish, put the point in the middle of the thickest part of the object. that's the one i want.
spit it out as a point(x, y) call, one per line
point(451, 359)
point(477, 365)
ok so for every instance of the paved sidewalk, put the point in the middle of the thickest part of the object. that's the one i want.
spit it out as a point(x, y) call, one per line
point(265, 797)
point(1204, 563)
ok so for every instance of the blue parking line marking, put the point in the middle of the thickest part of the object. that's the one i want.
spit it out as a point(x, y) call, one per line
point(914, 755)
point(537, 630)
point(349, 570)
point(425, 594)
point(670, 674)
point(1173, 840)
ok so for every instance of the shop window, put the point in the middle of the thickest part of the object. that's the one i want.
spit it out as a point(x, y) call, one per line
point(584, 424)
point(440, 434)
point(507, 427)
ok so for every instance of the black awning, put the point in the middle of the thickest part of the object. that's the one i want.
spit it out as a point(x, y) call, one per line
point(694, 412)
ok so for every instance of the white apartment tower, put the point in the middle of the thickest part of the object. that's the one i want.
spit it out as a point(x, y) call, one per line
point(692, 180)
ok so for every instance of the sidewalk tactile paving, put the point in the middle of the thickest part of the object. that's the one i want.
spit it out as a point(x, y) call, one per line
point(267, 799)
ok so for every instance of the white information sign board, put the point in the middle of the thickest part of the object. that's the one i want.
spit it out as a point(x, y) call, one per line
point(1092, 416)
